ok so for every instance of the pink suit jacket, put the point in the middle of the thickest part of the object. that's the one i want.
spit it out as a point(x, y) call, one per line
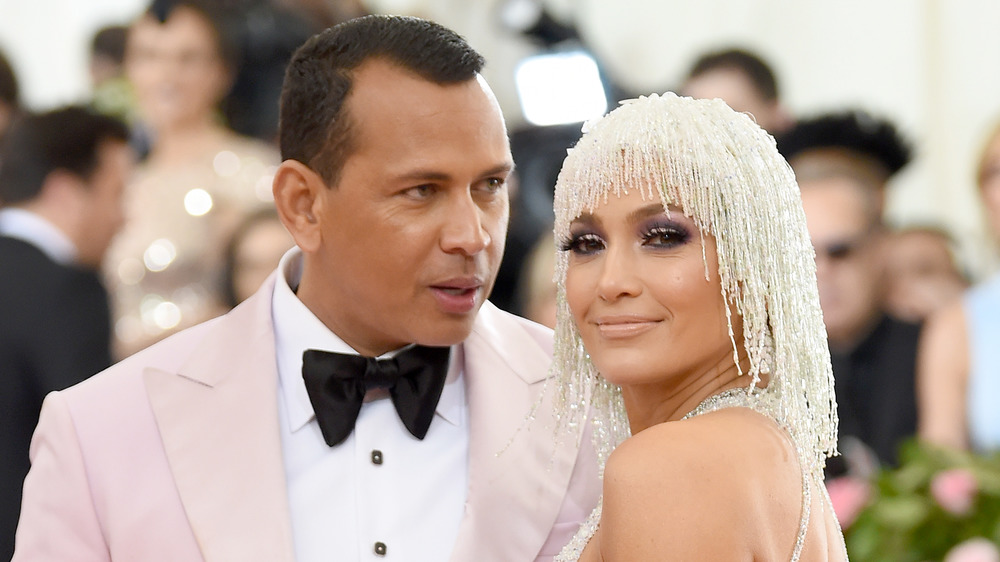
point(174, 453)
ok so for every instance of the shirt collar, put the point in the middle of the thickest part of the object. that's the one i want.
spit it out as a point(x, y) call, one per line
point(297, 329)
point(39, 232)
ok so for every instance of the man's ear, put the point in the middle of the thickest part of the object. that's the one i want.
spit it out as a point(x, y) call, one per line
point(298, 198)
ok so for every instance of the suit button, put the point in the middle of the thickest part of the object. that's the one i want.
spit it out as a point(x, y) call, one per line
point(377, 459)
point(380, 548)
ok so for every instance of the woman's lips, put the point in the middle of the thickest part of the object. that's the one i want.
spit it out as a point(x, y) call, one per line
point(623, 328)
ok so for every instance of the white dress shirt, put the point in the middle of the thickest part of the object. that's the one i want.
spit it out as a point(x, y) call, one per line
point(33, 229)
point(382, 494)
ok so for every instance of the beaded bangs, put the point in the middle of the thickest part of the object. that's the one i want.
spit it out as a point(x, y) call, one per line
point(722, 170)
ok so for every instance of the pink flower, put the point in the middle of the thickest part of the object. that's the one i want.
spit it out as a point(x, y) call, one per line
point(954, 490)
point(973, 550)
point(849, 496)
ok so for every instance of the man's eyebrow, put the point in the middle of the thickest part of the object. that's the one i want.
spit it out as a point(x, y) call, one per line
point(434, 175)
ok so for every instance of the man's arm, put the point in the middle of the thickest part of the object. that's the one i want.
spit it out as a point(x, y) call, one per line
point(58, 520)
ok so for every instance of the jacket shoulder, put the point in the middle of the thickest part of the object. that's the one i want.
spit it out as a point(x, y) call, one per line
point(506, 326)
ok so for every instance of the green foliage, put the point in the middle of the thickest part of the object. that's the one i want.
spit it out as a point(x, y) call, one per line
point(905, 521)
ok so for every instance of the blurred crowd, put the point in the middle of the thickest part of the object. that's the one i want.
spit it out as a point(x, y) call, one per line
point(175, 150)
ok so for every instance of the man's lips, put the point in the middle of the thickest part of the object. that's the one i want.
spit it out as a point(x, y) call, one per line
point(457, 295)
point(458, 284)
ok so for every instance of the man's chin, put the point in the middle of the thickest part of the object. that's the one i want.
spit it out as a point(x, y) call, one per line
point(447, 331)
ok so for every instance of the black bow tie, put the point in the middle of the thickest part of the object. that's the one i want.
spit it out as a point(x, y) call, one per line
point(337, 384)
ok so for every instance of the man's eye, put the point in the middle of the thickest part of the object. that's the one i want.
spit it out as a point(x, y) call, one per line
point(420, 191)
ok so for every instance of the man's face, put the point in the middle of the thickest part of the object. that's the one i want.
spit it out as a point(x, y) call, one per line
point(989, 183)
point(739, 93)
point(6, 114)
point(921, 274)
point(103, 215)
point(412, 235)
point(848, 256)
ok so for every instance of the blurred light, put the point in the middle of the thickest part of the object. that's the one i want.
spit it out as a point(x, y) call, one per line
point(158, 314)
point(131, 271)
point(226, 163)
point(159, 255)
point(520, 15)
point(560, 88)
point(166, 315)
point(263, 186)
point(197, 202)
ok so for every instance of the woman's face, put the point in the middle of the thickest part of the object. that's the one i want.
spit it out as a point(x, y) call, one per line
point(176, 69)
point(989, 183)
point(257, 254)
point(637, 289)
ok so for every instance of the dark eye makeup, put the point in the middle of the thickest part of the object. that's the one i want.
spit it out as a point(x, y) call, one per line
point(656, 233)
point(582, 243)
point(664, 233)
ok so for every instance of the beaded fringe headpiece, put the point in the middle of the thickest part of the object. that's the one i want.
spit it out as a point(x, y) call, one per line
point(724, 172)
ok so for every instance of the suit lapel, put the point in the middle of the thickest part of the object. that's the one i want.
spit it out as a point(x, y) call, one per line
point(518, 470)
point(218, 419)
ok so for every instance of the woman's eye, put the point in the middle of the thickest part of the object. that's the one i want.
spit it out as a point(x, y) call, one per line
point(583, 244)
point(664, 236)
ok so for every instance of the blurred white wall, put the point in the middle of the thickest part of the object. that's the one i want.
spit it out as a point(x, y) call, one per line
point(47, 42)
point(929, 65)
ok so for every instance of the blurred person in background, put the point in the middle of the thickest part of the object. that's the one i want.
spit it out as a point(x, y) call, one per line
point(842, 162)
point(327, 13)
point(922, 275)
point(9, 96)
point(252, 253)
point(537, 286)
point(744, 81)
point(854, 143)
point(267, 33)
point(61, 181)
point(107, 54)
point(197, 183)
point(111, 92)
point(959, 367)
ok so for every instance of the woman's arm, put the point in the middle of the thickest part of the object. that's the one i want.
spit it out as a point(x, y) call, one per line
point(942, 379)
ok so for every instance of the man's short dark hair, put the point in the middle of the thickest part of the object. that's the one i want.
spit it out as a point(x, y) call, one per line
point(66, 139)
point(109, 42)
point(752, 66)
point(852, 130)
point(222, 21)
point(314, 128)
point(8, 84)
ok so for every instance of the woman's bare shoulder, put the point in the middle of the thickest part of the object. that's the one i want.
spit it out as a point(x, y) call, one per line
point(726, 471)
point(733, 435)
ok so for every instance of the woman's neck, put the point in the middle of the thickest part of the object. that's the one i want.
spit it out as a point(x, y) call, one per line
point(651, 404)
point(178, 145)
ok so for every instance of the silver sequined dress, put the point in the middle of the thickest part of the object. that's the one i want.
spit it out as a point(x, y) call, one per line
point(164, 269)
